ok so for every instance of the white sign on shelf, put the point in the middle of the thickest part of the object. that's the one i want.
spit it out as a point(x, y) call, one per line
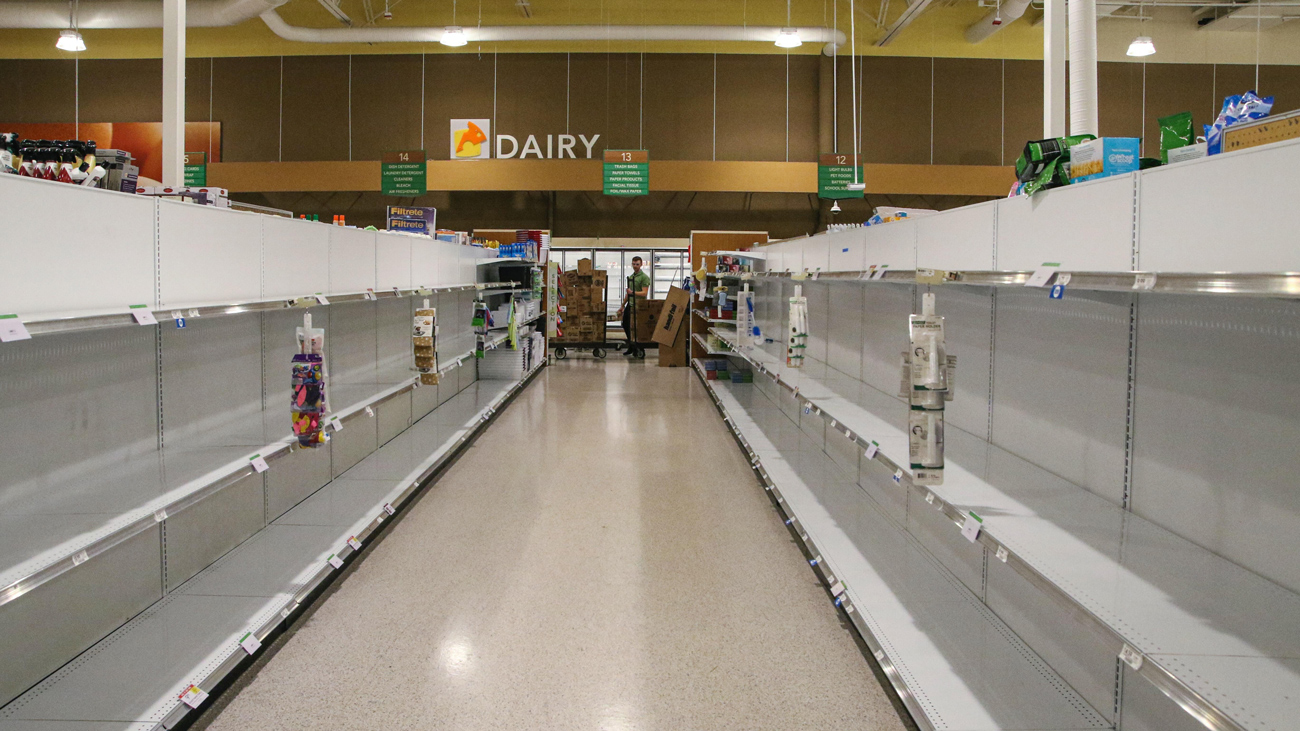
point(250, 643)
point(143, 315)
point(872, 449)
point(1043, 274)
point(929, 498)
point(335, 561)
point(159, 515)
point(193, 696)
point(336, 423)
point(259, 463)
point(388, 508)
point(1131, 657)
point(354, 543)
point(80, 558)
point(12, 328)
point(837, 588)
point(970, 530)
point(1002, 554)
point(1144, 281)
point(898, 475)
point(371, 412)
point(322, 299)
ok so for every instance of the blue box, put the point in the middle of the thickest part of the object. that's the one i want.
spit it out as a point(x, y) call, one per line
point(1103, 157)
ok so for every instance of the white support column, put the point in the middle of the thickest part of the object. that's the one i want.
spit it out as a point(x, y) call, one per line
point(173, 95)
point(1083, 67)
point(1053, 68)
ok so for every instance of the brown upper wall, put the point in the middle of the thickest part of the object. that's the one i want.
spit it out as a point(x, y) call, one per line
point(913, 110)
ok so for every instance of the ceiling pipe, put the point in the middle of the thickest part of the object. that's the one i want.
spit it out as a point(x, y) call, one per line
point(996, 20)
point(96, 14)
point(409, 34)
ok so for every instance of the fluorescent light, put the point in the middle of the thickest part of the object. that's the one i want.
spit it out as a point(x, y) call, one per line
point(857, 186)
point(70, 40)
point(1141, 46)
point(454, 36)
point(788, 38)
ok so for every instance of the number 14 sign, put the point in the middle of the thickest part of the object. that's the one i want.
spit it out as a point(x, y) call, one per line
point(627, 172)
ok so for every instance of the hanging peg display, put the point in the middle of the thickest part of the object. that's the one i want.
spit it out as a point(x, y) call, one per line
point(424, 344)
point(797, 334)
point(928, 373)
point(308, 405)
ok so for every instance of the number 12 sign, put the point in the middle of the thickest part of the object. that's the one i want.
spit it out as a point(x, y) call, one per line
point(834, 175)
point(627, 172)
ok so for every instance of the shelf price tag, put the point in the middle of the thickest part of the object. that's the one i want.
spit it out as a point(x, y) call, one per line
point(193, 696)
point(971, 529)
point(1002, 554)
point(80, 558)
point(1131, 657)
point(929, 498)
point(12, 328)
point(259, 463)
point(336, 423)
point(1058, 289)
point(388, 508)
point(322, 299)
point(160, 515)
point(837, 588)
point(1043, 274)
point(872, 449)
point(898, 475)
point(335, 561)
point(371, 412)
point(250, 643)
point(143, 315)
point(1144, 281)
point(354, 543)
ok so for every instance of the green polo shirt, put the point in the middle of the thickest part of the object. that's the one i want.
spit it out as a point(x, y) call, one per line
point(641, 281)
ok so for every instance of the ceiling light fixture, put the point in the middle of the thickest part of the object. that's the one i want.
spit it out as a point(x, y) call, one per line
point(454, 36)
point(70, 40)
point(835, 207)
point(788, 38)
point(1141, 46)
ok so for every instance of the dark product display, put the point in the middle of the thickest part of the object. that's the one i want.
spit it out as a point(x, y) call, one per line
point(308, 405)
point(65, 161)
point(1045, 164)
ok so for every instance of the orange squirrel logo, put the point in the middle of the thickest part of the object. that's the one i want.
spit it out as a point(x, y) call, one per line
point(472, 135)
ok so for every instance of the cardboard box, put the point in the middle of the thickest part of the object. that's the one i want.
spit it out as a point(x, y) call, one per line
point(677, 353)
point(584, 268)
point(1103, 157)
point(675, 309)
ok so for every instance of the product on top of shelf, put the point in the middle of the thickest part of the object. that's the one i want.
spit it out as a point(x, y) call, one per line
point(1045, 164)
point(1236, 108)
point(1175, 132)
point(308, 405)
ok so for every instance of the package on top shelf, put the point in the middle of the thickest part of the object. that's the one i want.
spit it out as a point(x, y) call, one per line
point(412, 219)
point(204, 195)
point(1103, 157)
point(887, 214)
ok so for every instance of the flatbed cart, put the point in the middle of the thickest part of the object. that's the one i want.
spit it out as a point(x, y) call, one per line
point(599, 350)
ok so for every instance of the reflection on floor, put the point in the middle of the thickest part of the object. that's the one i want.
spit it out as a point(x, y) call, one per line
point(629, 574)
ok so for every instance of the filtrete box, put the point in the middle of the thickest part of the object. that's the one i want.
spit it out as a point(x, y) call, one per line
point(1103, 157)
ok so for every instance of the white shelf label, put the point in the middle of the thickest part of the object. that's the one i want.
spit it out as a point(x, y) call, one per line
point(352, 541)
point(322, 299)
point(79, 558)
point(929, 498)
point(370, 294)
point(898, 475)
point(194, 313)
point(335, 561)
point(193, 696)
point(143, 315)
point(872, 449)
point(389, 509)
point(259, 463)
point(879, 655)
point(337, 423)
point(159, 515)
point(879, 272)
point(12, 328)
point(1145, 281)
point(1003, 554)
point(837, 588)
point(1042, 275)
point(971, 529)
point(833, 424)
point(1131, 657)
point(371, 412)
point(250, 643)
point(284, 613)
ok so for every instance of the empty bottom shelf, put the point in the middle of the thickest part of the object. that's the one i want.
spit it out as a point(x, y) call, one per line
point(954, 663)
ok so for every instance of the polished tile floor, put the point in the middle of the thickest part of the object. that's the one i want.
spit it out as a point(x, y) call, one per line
point(626, 572)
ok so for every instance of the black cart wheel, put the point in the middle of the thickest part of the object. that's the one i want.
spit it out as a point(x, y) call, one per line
point(639, 353)
point(560, 353)
point(598, 352)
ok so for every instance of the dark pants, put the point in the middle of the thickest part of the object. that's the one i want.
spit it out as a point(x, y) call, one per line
point(629, 321)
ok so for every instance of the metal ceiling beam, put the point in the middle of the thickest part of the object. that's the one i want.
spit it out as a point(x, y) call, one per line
point(912, 12)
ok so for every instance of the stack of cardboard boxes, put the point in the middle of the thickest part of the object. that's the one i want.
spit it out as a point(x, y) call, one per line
point(582, 304)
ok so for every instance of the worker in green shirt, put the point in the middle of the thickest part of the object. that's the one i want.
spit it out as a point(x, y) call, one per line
point(638, 286)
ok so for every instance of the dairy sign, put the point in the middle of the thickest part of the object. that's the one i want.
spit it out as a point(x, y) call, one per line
point(471, 139)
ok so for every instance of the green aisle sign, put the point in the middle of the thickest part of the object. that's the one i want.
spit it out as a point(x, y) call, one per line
point(403, 173)
point(627, 172)
point(196, 169)
point(834, 174)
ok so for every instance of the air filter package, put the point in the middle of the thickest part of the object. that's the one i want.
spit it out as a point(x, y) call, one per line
point(424, 343)
point(1101, 158)
point(928, 373)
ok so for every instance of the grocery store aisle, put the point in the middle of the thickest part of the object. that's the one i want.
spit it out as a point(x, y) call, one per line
point(629, 574)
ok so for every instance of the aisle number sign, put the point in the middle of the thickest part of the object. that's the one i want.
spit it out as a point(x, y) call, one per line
point(627, 172)
point(835, 173)
point(196, 169)
point(403, 173)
